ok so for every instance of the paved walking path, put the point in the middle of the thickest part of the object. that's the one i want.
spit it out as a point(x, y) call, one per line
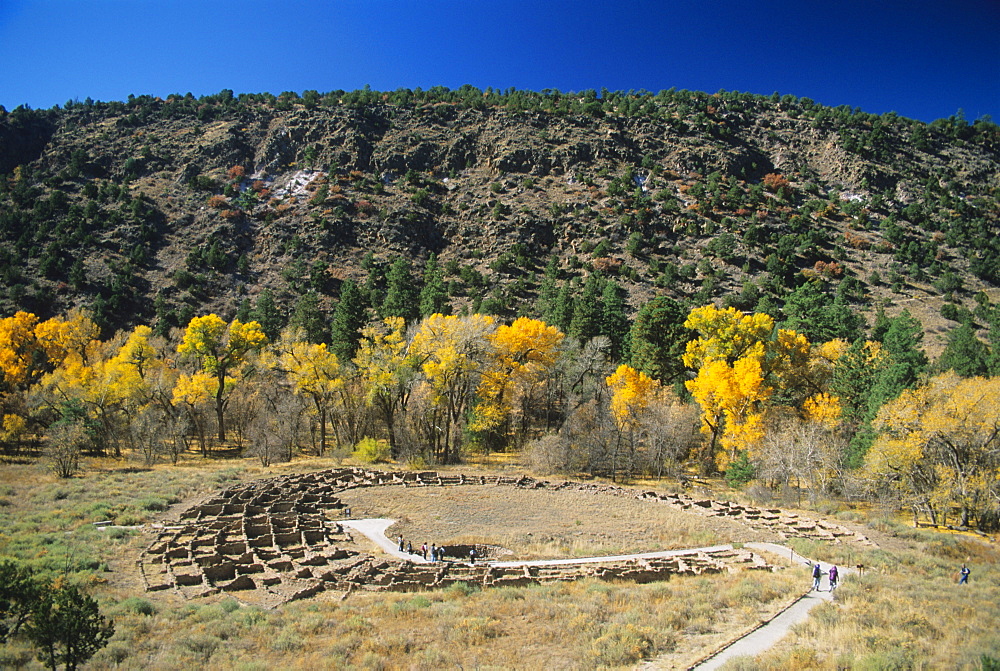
point(754, 643)
point(375, 530)
point(774, 630)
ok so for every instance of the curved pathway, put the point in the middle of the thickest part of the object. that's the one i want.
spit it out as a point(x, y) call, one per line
point(375, 530)
point(772, 631)
point(753, 643)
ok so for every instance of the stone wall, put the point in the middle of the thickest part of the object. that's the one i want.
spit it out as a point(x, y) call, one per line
point(271, 541)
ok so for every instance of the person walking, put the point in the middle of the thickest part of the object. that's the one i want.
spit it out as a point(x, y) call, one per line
point(409, 547)
point(472, 556)
point(834, 576)
point(964, 573)
point(423, 550)
point(400, 543)
point(434, 552)
point(817, 574)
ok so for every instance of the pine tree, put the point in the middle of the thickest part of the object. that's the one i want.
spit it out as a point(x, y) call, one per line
point(434, 295)
point(349, 317)
point(820, 316)
point(614, 322)
point(965, 353)
point(562, 311)
point(402, 297)
point(586, 321)
point(266, 313)
point(67, 627)
point(548, 291)
point(658, 339)
point(906, 361)
point(308, 316)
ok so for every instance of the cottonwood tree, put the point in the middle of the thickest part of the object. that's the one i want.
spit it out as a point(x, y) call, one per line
point(520, 356)
point(807, 450)
point(278, 426)
point(632, 394)
point(194, 395)
point(19, 352)
point(315, 372)
point(220, 349)
point(744, 366)
point(65, 442)
point(451, 351)
point(386, 370)
point(939, 449)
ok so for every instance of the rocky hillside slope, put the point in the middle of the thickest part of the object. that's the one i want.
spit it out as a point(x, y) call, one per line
point(153, 210)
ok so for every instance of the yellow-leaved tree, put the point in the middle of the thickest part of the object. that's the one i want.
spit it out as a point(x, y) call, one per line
point(387, 370)
point(632, 395)
point(67, 339)
point(742, 364)
point(938, 449)
point(315, 372)
point(18, 346)
point(451, 351)
point(520, 356)
point(195, 394)
point(221, 349)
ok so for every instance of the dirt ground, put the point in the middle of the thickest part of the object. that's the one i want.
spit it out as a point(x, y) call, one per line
point(541, 524)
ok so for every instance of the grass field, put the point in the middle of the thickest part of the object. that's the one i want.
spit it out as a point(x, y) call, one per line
point(907, 603)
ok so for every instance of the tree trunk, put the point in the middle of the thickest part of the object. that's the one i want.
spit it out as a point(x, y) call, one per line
point(322, 430)
point(220, 408)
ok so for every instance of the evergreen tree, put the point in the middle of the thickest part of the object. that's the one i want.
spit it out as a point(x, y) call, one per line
point(67, 627)
point(402, 297)
point(586, 321)
point(965, 354)
point(993, 359)
point(614, 322)
point(562, 311)
point(349, 317)
point(374, 288)
point(658, 339)
point(906, 360)
point(548, 291)
point(820, 316)
point(244, 311)
point(265, 312)
point(434, 295)
point(308, 316)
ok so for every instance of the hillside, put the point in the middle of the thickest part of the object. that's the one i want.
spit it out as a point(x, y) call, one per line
point(155, 210)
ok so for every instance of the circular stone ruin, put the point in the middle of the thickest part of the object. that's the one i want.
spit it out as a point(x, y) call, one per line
point(271, 541)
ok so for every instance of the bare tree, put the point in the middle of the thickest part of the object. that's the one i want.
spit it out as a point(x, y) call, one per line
point(669, 433)
point(148, 433)
point(64, 445)
point(279, 424)
point(800, 450)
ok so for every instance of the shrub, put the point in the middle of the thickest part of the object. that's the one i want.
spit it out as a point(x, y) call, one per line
point(622, 645)
point(138, 605)
point(371, 451)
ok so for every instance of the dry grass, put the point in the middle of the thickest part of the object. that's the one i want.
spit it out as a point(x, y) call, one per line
point(539, 524)
point(907, 602)
point(906, 612)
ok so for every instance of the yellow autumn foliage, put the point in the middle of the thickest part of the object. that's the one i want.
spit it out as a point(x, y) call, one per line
point(632, 392)
point(939, 447)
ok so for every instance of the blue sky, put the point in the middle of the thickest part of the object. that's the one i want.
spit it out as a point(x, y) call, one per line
point(921, 59)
